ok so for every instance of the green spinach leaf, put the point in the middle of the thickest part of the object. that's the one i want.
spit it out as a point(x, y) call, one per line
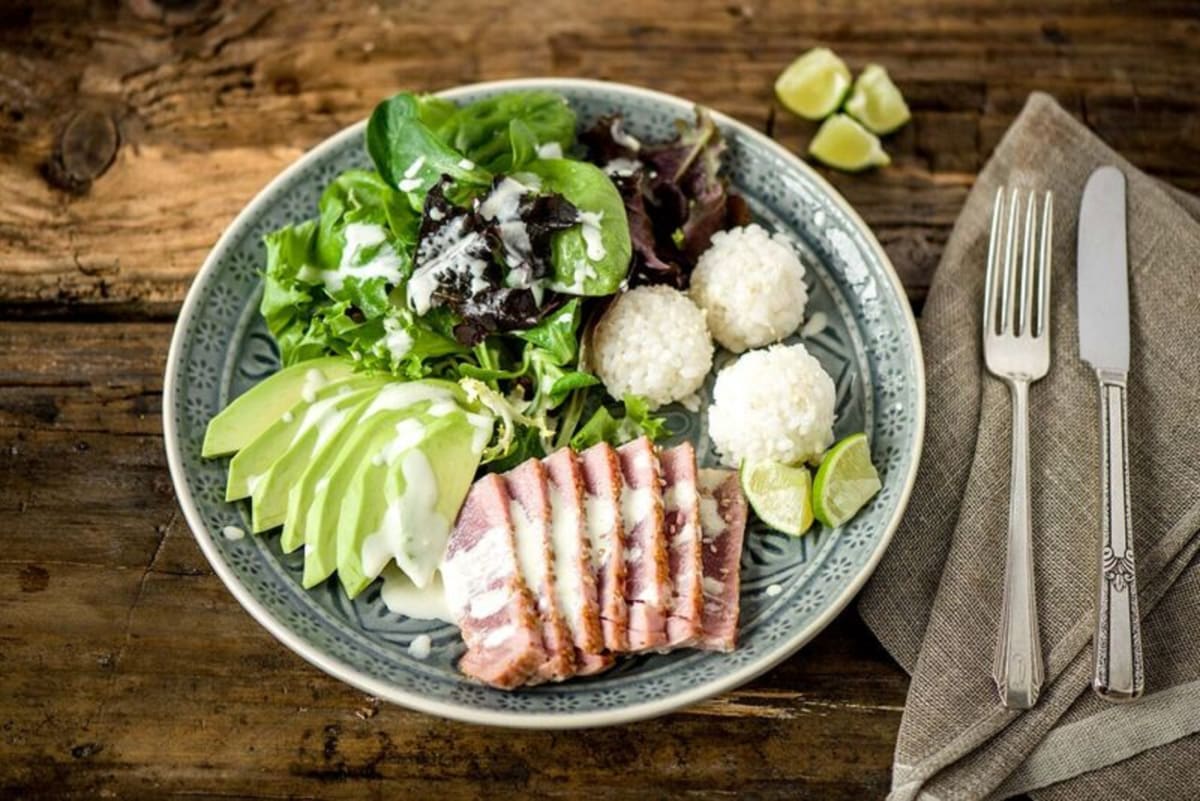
point(587, 262)
point(483, 130)
point(408, 154)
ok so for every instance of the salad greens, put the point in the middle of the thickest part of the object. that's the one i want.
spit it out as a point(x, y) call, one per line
point(469, 254)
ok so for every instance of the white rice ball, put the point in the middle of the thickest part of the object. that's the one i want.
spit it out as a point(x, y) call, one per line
point(772, 404)
point(652, 341)
point(751, 284)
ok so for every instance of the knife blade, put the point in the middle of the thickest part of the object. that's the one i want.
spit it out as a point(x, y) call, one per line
point(1103, 271)
point(1103, 297)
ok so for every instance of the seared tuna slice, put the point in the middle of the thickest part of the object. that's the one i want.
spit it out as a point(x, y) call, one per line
point(648, 581)
point(602, 502)
point(529, 507)
point(723, 525)
point(681, 510)
point(574, 579)
point(486, 594)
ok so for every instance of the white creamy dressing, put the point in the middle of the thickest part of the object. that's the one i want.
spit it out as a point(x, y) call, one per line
point(773, 590)
point(466, 164)
point(397, 340)
point(636, 506)
point(233, 533)
point(427, 528)
point(412, 530)
point(550, 150)
point(817, 323)
point(324, 415)
point(712, 587)
point(448, 244)
point(582, 272)
point(711, 522)
point(622, 138)
point(468, 573)
point(621, 166)
point(420, 647)
point(409, 184)
point(401, 395)
point(415, 167)
point(402, 597)
point(385, 263)
point(531, 546)
point(680, 495)
point(314, 379)
point(409, 433)
point(497, 637)
point(600, 524)
point(590, 228)
point(503, 206)
point(287, 416)
point(482, 425)
point(564, 534)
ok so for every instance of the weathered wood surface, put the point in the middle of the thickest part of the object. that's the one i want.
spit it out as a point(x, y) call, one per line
point(132, 132)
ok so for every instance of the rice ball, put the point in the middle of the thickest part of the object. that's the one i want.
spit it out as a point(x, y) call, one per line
point(751, 284)
point(776, 403)
point(652, 341)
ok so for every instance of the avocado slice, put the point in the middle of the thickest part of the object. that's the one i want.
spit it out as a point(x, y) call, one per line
point(304, 488)
point(325, 418)
point(244, 419)
point(372, 508)
point(374, 428)
point(253, 461)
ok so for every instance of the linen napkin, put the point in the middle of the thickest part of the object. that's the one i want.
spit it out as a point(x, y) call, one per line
point(934, 601)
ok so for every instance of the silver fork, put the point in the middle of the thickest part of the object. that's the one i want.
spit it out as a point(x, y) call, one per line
point(1016, 346)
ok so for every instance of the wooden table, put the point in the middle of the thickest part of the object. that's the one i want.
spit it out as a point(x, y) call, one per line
point(132, 132)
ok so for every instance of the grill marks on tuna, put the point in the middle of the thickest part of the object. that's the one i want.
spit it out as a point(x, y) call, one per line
point(723, 525)
point(560, 565)
point(681, 510)
point(648, 579)
point(494, 608)
point(529, 507)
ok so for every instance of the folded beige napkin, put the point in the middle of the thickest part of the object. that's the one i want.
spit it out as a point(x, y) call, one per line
point(935, 600)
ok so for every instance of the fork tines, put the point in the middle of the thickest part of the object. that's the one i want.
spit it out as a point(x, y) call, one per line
point(1009, 308)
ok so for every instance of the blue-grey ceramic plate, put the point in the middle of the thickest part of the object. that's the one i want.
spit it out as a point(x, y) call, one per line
point(791, 588)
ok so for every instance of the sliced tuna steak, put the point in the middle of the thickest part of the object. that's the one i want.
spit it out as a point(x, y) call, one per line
point(574, 579)
point(647, 582)
point(487, 596)
point(602, 502)
point(723, 525)
point(681, 511)
point(529, 508)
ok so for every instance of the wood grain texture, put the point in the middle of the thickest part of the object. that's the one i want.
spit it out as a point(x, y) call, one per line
point(131, 133)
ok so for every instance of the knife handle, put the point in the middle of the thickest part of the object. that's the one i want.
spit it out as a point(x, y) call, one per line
point(1118, 674)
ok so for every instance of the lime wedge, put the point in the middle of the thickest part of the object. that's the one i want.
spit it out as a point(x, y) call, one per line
point(845, 481)
point(780, 495)
point(876, 102)
point(843, 143)
point(814, 85)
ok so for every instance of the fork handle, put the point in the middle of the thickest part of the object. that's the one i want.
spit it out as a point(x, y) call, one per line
point(1018, 668)
point(1118, 674)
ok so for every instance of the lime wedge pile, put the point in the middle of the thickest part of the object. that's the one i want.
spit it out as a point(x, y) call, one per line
point(817, 86)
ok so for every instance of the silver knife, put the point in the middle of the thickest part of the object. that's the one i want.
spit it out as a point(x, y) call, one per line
point(1103, 274)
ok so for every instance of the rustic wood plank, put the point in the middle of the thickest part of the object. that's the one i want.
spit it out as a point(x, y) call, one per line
point(212, 99)
point(126, 667)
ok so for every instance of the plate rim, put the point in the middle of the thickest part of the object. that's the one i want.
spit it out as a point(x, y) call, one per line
point(540, 720)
